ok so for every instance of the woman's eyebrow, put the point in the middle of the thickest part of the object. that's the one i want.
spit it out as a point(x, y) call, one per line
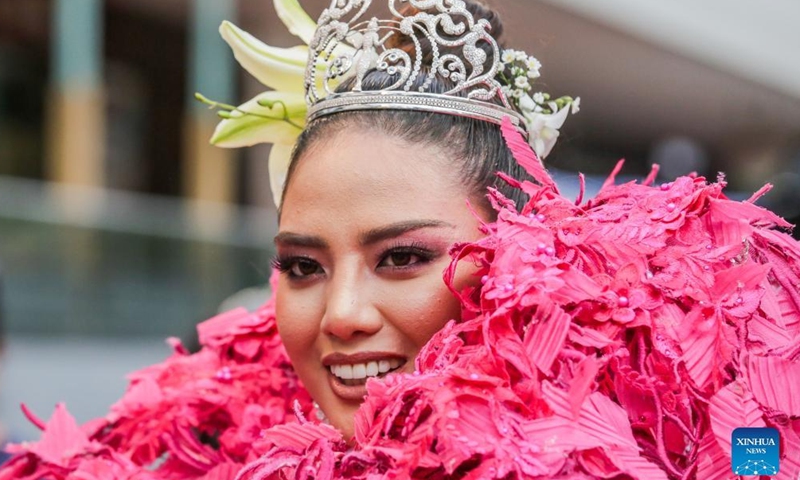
point(298, 240)
point(369, 237)
point(396, 229)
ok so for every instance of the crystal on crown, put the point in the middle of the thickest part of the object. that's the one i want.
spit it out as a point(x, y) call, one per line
point(346, 44)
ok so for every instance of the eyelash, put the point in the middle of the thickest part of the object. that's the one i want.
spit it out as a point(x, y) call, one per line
point(286, 263)
point(424, 254)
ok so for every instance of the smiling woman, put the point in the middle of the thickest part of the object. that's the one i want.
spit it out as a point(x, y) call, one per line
point(362, 292)
point(441, 307)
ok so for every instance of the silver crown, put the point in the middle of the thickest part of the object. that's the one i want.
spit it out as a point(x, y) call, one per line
point(345, 45)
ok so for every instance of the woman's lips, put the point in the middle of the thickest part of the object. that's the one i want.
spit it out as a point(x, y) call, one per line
point(348, 373)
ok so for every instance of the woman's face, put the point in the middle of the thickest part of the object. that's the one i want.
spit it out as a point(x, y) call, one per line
point(366, 224)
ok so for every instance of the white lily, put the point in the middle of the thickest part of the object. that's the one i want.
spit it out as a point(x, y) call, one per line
point(276, 117)
point(296, 19)
point(530, 104)
point(543, 130)
point(279, 158)
point(278, 68)
point(271, 117)
point(575, 105)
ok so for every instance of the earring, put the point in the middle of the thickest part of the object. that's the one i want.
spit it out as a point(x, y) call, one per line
point(320, 414)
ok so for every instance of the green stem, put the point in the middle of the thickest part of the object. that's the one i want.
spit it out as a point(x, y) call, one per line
point(212, 104)
point(231, 108)
point(285, 112)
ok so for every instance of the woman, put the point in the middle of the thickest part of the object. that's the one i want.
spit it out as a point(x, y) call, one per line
point(360, 294)
point(622, 337)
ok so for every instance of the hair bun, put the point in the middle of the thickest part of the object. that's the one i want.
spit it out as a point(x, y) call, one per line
point(478, 10)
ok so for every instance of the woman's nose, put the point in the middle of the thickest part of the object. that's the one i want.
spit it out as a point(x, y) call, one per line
point(350, 310)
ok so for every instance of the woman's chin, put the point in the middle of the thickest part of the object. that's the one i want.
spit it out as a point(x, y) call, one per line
point(344, 421)
point(342, 399)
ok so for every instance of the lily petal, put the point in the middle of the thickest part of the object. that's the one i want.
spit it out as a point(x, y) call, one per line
point(279, 158)
point(543, 130)
point(254, 123)
point(278, 68)
point(296, 19)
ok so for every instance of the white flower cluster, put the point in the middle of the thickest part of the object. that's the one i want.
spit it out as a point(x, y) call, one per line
point(544, 116)
point(518, 72)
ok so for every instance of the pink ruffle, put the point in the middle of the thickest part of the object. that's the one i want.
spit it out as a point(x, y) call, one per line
point(622, 337)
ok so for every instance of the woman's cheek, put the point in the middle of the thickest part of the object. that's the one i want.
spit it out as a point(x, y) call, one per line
point(296, 317)
point(420, 309)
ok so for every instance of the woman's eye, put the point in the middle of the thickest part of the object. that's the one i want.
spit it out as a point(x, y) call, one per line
point(405, 258)
point(298, 268)
point(304, 268)
point(401, 259)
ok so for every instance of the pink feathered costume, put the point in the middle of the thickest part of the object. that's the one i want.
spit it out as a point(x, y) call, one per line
point(622, 337)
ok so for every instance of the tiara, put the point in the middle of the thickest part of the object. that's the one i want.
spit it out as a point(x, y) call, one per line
point(348, 46)
point(487, 83)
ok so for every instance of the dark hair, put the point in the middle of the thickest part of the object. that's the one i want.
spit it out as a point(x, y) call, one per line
point(476, 145)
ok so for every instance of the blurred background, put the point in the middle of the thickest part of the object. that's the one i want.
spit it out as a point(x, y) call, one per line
point(120, 225)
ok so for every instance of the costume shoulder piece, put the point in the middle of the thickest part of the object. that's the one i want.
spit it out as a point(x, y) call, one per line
point(627, 335)
point(195, 415)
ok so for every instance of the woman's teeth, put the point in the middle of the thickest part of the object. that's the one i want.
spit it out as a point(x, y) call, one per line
point(359, 372)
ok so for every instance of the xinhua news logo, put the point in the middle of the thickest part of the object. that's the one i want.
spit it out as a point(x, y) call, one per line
point(755, 451)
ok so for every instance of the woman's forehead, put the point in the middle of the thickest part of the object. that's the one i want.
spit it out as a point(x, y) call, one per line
point(372, 165)
point(369, 179)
